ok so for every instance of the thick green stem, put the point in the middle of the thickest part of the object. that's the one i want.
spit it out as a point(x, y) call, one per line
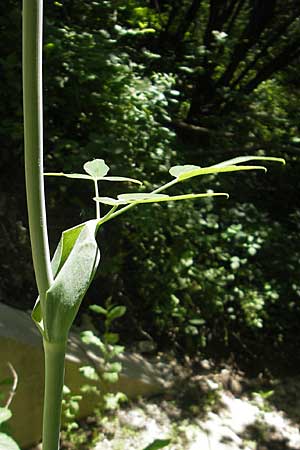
point(54, 381)
point(33, 134)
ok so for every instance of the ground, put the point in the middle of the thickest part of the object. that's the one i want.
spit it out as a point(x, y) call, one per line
point(209, 407)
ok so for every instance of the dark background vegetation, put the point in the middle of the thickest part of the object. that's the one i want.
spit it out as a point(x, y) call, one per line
point(146, 85)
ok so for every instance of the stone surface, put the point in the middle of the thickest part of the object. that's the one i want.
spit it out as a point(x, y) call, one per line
point(227, 429)
point(21, 346)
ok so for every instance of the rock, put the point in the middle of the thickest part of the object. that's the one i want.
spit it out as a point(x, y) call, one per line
point(21, 345)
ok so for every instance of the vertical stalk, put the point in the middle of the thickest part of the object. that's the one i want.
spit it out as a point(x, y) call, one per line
point(54, 380)
point(33, 134)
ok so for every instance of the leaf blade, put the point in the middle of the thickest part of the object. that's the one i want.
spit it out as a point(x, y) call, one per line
point(242, 159)
point(96, 169)
point(74, 276)
point(157, 444)
point(215, 170)
point(68, 175)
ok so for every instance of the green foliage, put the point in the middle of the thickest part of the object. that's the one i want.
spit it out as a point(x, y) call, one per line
point(70, 409)
point(6, 442)
point(157, 444)
point(99, 379)
point(115, 92)
point(74, 265)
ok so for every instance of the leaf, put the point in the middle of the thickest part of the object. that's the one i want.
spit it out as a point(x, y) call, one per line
point(82, 176)
point(211, 170)
point(140, 196)
point(173, 198)
point(116, 312)
point(157, 198)
point(75, 262)
point(111, 338)
point(89, 372)
point(61, 254)
point(242, 159)
point(115, 367)
point(197, 321)
point(5, 414)
point(68, 175)
point(175, 171)
point(131, 180)
point(109, 201)
point(157, 444)
point(96, 168)
point(110, 377)
point(7, 443)
point(89, 338)
point(98, 309)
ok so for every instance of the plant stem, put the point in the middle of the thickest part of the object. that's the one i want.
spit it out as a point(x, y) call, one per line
point(33, 134)
point(97, 203)
point(54, 381)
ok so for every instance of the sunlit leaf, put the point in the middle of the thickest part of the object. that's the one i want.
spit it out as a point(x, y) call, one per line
point(243, 159)
point(75, 262)
point(7, 443)
point(167, 198)
point(131, 180)
point(89, 338)
point(96, 168)
point(175, 171)
point(89, 372)
point(109, 201)
point(140, 196)
point(115, 367)
point(154, 198)
point(111, 377)
point(69, 175)
point(5, 414)
point(212, 170)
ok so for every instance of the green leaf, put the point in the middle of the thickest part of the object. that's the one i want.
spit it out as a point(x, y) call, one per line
point(157, 444)
point(211, 170)
point(75, 262)
point(81, 176)
point(96, 168)
point(166, 198)
point(197, 321)
point(7, 443)
point(155, 198)
point(89, 338)
point(116, 312)
point(5, 414)
point(109, 201)
point(89, 372)
point(61, 254)
point(110, 377)
point(131, 180)
point(111, 338)
point(98, 309)
point(243, 159)
point(175, 171)
point(140, 196)
point(115, 367)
